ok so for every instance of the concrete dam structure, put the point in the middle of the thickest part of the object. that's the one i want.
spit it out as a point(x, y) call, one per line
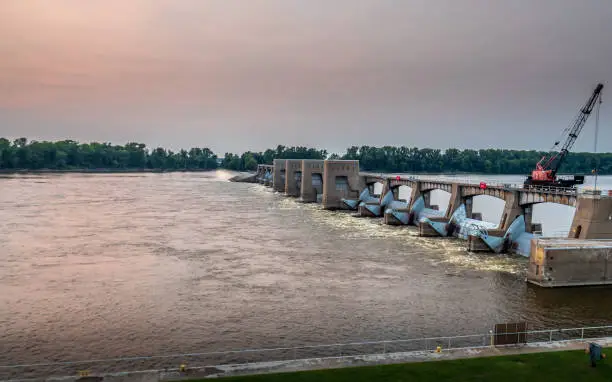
point(311, 189)
point(339, 185)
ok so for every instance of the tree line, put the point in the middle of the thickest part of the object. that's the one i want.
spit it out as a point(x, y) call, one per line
point(71, 155)
point(249, 160)
point(487, 161)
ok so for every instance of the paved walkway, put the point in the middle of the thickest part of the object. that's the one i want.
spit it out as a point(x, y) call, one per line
point(331, 363)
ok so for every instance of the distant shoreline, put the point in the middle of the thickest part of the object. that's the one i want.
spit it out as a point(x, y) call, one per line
point(463, 173)
point(99, 171)
point(147, 170)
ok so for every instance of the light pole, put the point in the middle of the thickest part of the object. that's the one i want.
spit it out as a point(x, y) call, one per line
point(596, 135)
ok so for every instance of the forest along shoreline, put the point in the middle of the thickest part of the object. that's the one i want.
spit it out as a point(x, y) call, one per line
point(21, 155)
point(238, 172)
point(100, 171)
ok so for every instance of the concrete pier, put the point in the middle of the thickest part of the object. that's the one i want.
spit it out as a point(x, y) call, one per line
point(476, 244)
point(312, 180)
point(341, 180)
point(427, 230)
point(293, 177)
point(593, 217)
point(278, 179)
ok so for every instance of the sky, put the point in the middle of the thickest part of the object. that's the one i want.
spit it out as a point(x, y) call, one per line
point(248, 75)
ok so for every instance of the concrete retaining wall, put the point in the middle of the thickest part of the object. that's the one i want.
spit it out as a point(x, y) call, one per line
point(332, 362)
point(555, 263)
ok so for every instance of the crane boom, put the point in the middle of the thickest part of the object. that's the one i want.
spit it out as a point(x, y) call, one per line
point(547, 168)
point(555, 161)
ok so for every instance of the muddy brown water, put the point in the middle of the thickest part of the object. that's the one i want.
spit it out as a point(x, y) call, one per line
point(114, 265)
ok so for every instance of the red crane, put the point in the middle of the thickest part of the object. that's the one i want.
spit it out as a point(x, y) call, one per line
point(545, 173)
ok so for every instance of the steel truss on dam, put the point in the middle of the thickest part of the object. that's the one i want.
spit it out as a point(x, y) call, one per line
point(339, 185)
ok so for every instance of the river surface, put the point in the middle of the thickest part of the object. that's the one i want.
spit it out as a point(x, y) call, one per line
point(99, 266)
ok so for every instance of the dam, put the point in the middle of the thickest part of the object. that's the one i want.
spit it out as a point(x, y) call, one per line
point(339, 185)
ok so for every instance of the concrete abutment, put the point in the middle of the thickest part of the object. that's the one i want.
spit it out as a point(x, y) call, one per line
point(593, 217)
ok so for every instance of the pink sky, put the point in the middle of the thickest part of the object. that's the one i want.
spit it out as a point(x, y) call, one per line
point(238, 75)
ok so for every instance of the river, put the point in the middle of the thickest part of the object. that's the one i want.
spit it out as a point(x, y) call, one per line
point(99, 266)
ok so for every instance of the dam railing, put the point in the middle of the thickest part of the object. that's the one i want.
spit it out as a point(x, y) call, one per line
point(565, 191)
point(245, 356)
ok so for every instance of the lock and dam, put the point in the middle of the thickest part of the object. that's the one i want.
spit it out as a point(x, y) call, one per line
point(583, 257)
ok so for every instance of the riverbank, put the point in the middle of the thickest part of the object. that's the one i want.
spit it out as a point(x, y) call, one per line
point(550, 361)
point(98, 171)
point(550, 366)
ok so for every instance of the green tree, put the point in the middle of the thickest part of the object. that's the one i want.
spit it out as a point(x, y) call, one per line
point(67, 154)
point(250, 163)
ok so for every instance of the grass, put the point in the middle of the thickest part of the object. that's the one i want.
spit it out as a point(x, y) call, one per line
point(550, 366)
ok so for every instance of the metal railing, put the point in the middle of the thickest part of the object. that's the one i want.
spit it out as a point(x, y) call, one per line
point(597, 191)
point(510, 186)
point(290, 353)
point(570, 191)
point(551, 190)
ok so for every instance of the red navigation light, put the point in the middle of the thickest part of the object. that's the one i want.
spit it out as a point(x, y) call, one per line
point(483, 185)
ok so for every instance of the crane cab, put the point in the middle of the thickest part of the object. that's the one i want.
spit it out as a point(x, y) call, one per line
point(542, 176)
